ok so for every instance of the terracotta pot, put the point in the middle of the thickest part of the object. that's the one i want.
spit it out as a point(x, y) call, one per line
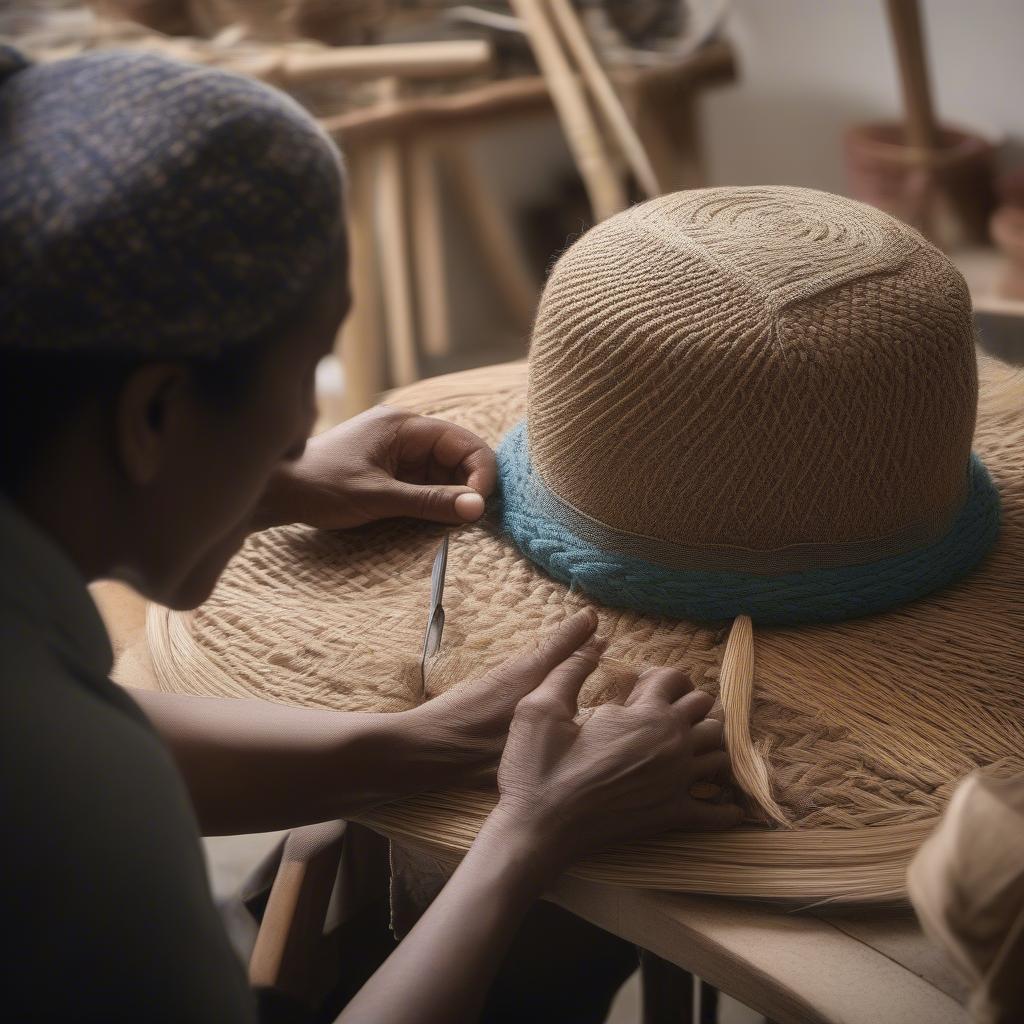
point(1007, 228)
point(946, 193)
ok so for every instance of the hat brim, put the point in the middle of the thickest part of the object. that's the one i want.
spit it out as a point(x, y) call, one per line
point(865, 725)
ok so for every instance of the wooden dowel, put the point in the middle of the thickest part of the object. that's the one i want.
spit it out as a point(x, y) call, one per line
point(361, 343)
point(408, 60)
point(428, 248)
point(295, 63)
point(908, 38)
point(606, 191)
point(605, 96)
point(396, 279)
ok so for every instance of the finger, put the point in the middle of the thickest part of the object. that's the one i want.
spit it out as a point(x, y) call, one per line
point(665, 685)
point(700, 812)
point(706, 735)
point(436, 503)
point(529, 668)
point(564, 682)
point(459, 451)
point(695, 705)
point(708, 766)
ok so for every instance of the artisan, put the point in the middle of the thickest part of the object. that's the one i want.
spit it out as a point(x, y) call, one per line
point(172, 269)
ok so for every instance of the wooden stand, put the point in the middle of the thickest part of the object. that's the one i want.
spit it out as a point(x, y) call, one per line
point(398, 150)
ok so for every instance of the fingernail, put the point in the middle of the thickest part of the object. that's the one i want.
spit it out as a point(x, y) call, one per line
point(469, 506)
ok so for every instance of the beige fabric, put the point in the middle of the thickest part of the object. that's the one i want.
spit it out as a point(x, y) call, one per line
point(820, 351)
point(967, 885)
point(857, 732)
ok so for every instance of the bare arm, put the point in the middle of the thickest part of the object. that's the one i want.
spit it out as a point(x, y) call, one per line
point(253, 766)
point(566, 789)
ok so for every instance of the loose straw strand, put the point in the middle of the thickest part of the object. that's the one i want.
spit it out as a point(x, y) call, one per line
point(737, 691)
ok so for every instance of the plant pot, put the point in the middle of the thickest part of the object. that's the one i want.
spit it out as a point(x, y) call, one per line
point(1007, 228)
point(946, 193)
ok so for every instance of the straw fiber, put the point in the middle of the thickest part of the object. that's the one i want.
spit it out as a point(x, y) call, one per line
point(756, 369)
point(864, 726)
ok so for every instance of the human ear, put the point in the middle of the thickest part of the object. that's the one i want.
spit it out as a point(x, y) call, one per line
point(149, 412)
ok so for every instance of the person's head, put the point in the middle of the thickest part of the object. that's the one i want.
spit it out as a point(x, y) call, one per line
point(172, 268)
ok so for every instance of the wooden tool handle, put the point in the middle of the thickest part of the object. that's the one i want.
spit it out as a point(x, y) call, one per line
point(908, 38)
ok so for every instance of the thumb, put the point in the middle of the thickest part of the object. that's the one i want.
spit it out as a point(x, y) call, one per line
point(436, 503)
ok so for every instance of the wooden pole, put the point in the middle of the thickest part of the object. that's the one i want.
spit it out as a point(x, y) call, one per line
point(605, 96)
point(394, 265)
point(361, 343)
point(605, 189)
point(428, 247)
point(908, 38)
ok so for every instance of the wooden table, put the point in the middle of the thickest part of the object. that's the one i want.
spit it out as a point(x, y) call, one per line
point(796, 968)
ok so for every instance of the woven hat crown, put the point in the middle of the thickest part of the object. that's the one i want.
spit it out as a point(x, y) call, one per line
point(757, 369)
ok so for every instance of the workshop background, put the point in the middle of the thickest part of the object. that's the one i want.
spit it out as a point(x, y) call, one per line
point(470, 165)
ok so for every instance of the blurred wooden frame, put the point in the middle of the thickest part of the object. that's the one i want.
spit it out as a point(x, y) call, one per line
point(397, 150)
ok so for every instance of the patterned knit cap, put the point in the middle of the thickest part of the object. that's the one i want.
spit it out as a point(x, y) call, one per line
point(151, 206)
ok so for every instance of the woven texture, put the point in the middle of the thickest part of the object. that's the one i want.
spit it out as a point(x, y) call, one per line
point(754, 368)
point(865, 726)
point(820, 594)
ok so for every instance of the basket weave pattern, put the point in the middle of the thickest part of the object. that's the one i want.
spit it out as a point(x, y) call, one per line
point(864, 724)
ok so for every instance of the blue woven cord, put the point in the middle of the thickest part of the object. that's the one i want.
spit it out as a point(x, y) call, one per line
point(790, 599)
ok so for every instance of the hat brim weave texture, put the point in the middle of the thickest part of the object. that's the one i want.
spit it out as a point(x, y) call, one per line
point(865, 725)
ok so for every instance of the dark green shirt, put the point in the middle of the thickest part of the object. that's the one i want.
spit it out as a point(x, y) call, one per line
point(104, 899)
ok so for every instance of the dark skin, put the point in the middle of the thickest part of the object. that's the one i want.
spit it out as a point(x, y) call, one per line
point(161, 488)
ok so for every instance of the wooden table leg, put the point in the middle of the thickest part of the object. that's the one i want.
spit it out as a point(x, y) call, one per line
point(396, 278)
point(361, 341)
point(428, 247)
point(671, 995)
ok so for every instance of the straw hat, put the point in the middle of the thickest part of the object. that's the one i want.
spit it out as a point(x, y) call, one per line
point(746, 440)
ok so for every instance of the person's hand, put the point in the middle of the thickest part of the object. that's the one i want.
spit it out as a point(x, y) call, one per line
point(470, 722)
point(623, 773)
point(382, 464)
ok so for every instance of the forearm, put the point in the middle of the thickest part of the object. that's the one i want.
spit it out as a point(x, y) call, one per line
point(252, 766)
point(442, 970)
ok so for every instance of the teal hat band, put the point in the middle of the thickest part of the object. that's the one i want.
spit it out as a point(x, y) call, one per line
point(827, 594)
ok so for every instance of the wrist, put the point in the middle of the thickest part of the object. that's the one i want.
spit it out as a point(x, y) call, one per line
point(449, 750)
point(515, 846)
point(548, 835)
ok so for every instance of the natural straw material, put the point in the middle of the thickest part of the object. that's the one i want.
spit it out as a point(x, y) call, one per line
point(866, 725)
point(855, 733)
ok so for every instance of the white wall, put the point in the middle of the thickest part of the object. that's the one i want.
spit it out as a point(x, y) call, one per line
point(807, 68)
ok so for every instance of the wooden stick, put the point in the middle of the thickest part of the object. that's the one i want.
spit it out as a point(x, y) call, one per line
point(605, 96)
point(428, 248)
point(606, 191)
point(303, 62)
point(394, 263)
point(285, 950)
point(361, 343)
point(499, 246)
point(908, 38)
point(481, 105)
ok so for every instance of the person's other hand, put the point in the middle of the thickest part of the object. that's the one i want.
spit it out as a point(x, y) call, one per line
point(623, 773)
point(382, 464)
